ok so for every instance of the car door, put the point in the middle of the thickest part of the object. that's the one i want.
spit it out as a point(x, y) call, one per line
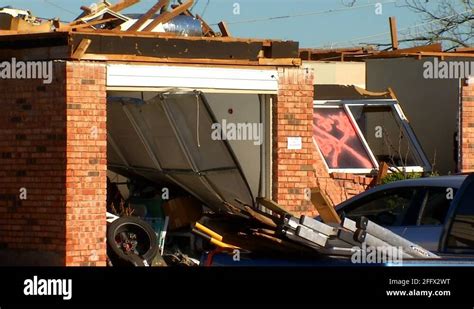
point(431, 217)
point(458, 232)
point(394, 208)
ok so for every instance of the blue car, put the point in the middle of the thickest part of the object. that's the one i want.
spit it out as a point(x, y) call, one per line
point(415, 209)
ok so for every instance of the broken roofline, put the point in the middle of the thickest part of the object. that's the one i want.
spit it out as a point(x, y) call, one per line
point(368, 52)
point(147, 47)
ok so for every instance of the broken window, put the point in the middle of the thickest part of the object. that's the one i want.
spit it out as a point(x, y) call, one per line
point(355, 136)
point(338, 140)
point(385, 136)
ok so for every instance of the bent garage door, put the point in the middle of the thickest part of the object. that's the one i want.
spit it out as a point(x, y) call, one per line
point(160, 127)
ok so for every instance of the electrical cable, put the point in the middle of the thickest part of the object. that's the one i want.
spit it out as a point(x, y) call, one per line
point(247, 21)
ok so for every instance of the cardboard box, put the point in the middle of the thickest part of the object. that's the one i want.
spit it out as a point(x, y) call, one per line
point(182, 211)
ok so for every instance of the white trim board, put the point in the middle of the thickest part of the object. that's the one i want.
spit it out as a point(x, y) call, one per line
point(148, 76)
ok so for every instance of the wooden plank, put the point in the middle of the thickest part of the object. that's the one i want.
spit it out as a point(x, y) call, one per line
point(271, 205)
point(87, 10)
point(146, 59)
point(90, 24)
point(393, 32)
point(224, 30)
point(324, 206)
point(177, 47)
point(291, 49)
point(20, 25)
point(118, 32)
point(149, 14)
point(445, 54)
point(260, 217)
point(207, 29)
point(115, 7)
point(167, 16)
point(383, 170)
point(413, 50)
point(464, 50)
point(187, 12)
point(280, 61)
point(81, 49)
point(392, 93)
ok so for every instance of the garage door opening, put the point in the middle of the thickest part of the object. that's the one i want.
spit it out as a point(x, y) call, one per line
point(204, 144)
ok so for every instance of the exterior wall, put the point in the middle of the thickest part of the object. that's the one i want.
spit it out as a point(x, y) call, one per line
point(466, 163)
point(86, 169)
point(338, 187)
point(338, 73)
point(292, 117)
point(295, 171)
point(52, 182)
point(426, 102)
point(33, 160)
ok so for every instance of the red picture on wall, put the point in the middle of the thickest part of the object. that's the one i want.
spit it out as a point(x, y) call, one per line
point(338, 141)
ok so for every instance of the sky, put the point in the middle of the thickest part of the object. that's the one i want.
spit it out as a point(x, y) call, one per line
point(313, 23)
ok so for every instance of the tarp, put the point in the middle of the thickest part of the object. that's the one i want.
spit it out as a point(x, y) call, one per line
point(169, 139)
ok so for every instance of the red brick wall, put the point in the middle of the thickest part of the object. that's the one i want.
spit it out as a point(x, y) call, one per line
point(292, 117)
point(295, 171)
point(33, 157)
point(86, 164)
point(466, 163)
point(46, 150)
point(338, 187)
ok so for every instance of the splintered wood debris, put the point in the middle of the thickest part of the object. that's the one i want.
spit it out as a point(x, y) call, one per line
point(164, 33)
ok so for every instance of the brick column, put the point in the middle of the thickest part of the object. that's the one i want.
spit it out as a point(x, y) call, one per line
point(86, 164)
point(292, 117)
point(297, 170)
point(466, 129)
point(52, 168)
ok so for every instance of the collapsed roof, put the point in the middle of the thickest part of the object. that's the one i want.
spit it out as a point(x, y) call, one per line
point(164, 35)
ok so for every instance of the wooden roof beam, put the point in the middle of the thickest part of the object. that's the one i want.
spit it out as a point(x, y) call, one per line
point(149, 14)
point(393, 32)
point(207, 29)
point(224, 29)
point(167, 16)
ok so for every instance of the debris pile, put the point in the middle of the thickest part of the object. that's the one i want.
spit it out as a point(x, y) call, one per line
point(161, 17)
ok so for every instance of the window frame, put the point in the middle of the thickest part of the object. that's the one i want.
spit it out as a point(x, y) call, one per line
point(401, 120)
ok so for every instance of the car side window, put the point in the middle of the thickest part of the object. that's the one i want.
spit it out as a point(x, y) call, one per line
point(387, 207)
point(436, 205)
point(461, 233)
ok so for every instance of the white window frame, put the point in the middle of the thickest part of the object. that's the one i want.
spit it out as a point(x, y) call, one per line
point(401, 121)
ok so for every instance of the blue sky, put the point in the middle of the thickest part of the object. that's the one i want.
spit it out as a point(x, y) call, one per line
point(324, 23)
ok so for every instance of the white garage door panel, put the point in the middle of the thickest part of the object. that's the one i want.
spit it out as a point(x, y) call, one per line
point(119, 75)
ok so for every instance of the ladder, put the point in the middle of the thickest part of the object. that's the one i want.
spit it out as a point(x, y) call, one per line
point(349, 237)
